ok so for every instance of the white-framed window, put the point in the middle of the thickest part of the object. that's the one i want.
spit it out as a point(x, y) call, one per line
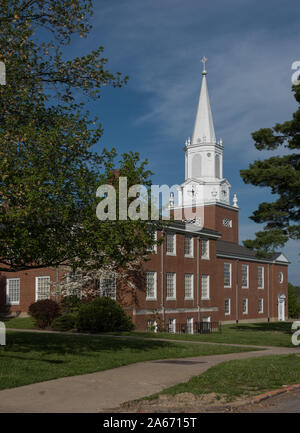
point(204, 286)
point(42, 288)
point(171, 285)
point(171, 244)
point(188, 286)
point(205, 249)
point(245, 276)
point(74, 291)
point(227, 307)
point(108, 286)
point(260, 305)
point(172, 326)
point(188, 246)
point(153, 249)
point(190, 325)
point(13, 291)
point(152, 326)
point(245, 306)
point(227, 274)
point(151, 285)
point(206, 319)
point(260, 277)
point(280, 277)
point(227, 222)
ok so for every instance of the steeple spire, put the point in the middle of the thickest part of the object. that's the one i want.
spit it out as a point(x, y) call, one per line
point(204, 126)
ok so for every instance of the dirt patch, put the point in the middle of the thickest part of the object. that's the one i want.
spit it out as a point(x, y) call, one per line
point(185, 402)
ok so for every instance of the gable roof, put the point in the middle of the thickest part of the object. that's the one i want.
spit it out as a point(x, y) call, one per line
point(233, 250)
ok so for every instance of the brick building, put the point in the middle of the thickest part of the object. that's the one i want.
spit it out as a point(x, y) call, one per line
point(199, 273)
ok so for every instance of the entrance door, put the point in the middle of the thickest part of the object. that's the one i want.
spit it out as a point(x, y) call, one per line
point(281, 307)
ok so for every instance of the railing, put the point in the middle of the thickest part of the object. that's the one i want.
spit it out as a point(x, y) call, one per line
point(195, 328)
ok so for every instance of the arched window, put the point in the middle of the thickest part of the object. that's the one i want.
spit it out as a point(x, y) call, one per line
point(217, 167)
point(196, 165)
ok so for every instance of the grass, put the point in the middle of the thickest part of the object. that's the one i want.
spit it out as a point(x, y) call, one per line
point(35, 357)
point(242, 378)
point(260, 334)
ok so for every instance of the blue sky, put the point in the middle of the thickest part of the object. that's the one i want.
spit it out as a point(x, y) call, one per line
point(250, 46)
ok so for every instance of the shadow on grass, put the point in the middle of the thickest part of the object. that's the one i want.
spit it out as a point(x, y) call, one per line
point(68, 344)
point(284, 327)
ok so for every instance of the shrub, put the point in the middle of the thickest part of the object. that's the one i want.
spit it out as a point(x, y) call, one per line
point(44, 312)
point(70, 304)
point(103, 315)
point(66, 322)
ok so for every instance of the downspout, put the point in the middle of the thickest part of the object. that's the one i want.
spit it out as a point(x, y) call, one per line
point(237, 293)
point(198, 277)
point(162, 280)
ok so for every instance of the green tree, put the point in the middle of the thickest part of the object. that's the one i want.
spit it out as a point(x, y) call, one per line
point(293, 306)
point(49, 173)
point(282, 174)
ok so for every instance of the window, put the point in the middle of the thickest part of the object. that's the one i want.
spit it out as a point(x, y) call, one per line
point(206, 319)
point(72, 289)
point(227, 274)
point(245, 306)
point(188, 246)
point(280, 276)
point(152, 326)
point(260, 277)
point(171, 285)
point(227, 307)
point(205, 287)
point(150, 285)
point(227, 222)
point(171, 244)
point(190, 325)
point(13, 291)
point(172, 326)
point(153, 249)
point(205, 249)
point(108, 285)
point(42, 288)
point(245, 276)
point(188, 286)
point(260, 305)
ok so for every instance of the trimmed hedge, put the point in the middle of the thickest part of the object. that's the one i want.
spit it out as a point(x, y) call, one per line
point(103, 315)
point(66, 322)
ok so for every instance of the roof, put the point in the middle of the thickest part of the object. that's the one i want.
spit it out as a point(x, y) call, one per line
point(231, 249)
point(192, 228)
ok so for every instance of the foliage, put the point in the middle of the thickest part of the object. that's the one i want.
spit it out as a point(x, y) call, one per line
point(49, 172)
point(70, 304)
point(281, 173)
point(103, 315)
point(293, 306)
point(66, 322)
point(44, 312)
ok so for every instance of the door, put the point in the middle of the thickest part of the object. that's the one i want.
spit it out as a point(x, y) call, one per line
point(281, 308)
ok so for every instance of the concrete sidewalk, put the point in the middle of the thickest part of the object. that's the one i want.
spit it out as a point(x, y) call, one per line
point(98, 392)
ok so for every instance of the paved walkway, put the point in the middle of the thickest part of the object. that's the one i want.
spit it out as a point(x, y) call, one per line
point(101, 391)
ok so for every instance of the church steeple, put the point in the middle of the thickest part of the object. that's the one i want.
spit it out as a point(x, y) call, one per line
point(204, 126)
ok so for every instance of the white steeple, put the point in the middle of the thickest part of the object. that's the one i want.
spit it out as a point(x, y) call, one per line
point(204, 126)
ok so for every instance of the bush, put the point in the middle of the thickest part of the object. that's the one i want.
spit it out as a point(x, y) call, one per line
point(44, 312)
point(70, 304)
point(66, 322)
point(103, 315)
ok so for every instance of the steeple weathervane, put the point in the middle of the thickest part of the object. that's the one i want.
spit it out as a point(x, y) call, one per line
point(204, 60)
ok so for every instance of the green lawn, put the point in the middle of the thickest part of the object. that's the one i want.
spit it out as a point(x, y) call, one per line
point(245, 377)
point(261, 334)
point(36, 357)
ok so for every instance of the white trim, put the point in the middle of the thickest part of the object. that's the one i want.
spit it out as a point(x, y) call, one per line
point(152, 298)
point(36, 286)
point(262, 304)
point(171, 298)
point(174, 245)
point(247, 268)
point(206, 298)
point(190, 324)
point(229, 303)
point(192, 246)
point(206, 257)
point(230, 273)
point(192, 287)
point(245, 312)
point(281, 278)
point(263, 277)
point(8, 302)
